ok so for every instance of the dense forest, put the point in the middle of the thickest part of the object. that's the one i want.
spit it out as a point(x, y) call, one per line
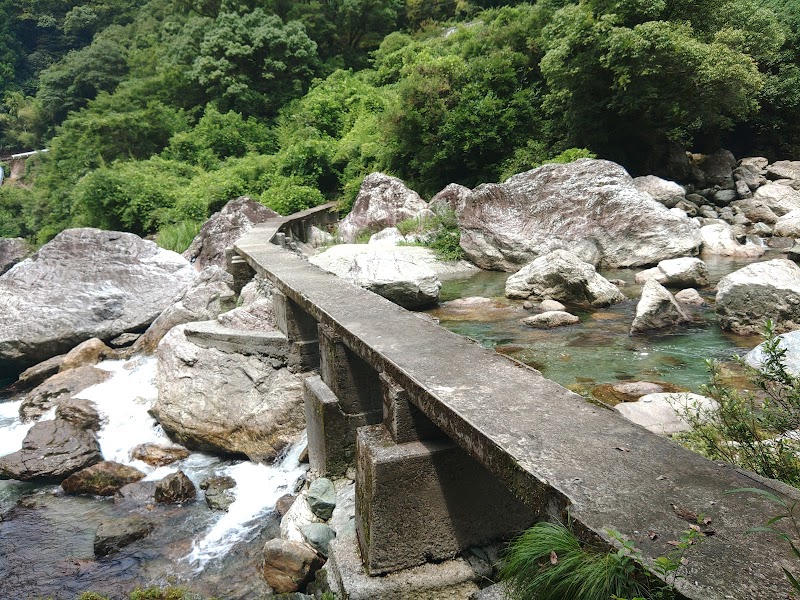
point(155, 113)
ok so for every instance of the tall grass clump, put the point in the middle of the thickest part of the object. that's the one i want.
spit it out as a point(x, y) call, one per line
point(178, 236)
point(547, 562)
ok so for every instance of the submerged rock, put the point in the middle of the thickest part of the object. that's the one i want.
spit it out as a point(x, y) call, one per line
point(101, 479)
point(382, 202)
point(550, 319)
point(85, 283)
point(51, 452)
point(112, 536)
point(562, 276)
point(589, 207)
point(767, 290)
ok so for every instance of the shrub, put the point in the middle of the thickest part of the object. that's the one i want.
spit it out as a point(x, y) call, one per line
point(178, 236)
point(756, 431)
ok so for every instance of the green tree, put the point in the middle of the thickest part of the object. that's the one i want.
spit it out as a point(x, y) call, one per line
point(254, 63)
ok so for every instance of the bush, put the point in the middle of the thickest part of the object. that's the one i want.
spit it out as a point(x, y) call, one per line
point(288, 195)
point(178, 236)
point(756, 431)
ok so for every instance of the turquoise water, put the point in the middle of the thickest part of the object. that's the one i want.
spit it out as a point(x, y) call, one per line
point(599, 349)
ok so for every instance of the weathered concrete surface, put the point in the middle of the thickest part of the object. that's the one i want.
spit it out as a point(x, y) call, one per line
point(448, 502)
point(513, 421)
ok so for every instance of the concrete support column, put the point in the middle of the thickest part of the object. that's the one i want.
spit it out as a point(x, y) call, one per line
point(346, 396)
point(424, 501)
point(301, 331)
point(404, 421)
point(238, 267)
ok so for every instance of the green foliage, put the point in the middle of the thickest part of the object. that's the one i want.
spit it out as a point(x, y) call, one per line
point(547, 562)
point(289, 195)
point(753, 430)
point(533, 154)
point(218, 136)
point(253, 63)
point(17, 218)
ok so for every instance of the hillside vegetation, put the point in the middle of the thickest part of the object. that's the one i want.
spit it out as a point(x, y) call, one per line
point(155, 114)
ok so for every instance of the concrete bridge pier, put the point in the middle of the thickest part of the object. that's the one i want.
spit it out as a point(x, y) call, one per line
point(301, 331)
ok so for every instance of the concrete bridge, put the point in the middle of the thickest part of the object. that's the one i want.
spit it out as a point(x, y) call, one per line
point(457, 446)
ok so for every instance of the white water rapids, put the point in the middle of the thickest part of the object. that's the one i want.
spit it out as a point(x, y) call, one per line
point(123, 402)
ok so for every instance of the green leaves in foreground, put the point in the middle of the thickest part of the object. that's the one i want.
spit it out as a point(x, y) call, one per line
point(547, 562)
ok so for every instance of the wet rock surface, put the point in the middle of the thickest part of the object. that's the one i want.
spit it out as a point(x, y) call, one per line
point(101, 479)
point(219, 492)
point(51, 452)
point(175, 488)
point(58, 388)
point(111, 536)
point(657, 309)
point(289, 566)
point(157, 455)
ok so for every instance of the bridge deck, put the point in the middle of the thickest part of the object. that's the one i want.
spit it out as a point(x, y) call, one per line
point(544, 441)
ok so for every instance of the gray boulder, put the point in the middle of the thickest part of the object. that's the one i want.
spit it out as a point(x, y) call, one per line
point(382, 202)
point(79, 412)
point(451, 198)
point(788, 225)
point(719, 240)
point(784, 169)
point(562, 276)
point(718, 168)
point(222, 229)
point(791, 360)
point(589, 207)
point(691, 297)
point(322, 497)
point(760, 291)
point(665, 413)
point(657, 309)
point(666, 192)
point(85, 283)
point(58, 388)
point(677, 272)
point(51, 452)
point(393, 276)
point(318, 536)
point(210, 294)
point(196, 384)
point(12, 251)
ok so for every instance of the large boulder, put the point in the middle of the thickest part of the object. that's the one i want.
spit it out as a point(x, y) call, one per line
point(562, 276)
point(12, 251)
point(391, 275)
point(51, 452)
point(222, 229)
point(382, 201)
point(718, 168)
point(677, 272)
point(719, 240)
point(289, 566)
point(451, 198)
point(788, 225)
point(197, 382)
point(775, 198)
point(210, 294)
point(784, 169)
point(589, 207)
point(765, 290)
point(58, 388)
point(666, 192)
point(85, 283)
point(656, 309)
